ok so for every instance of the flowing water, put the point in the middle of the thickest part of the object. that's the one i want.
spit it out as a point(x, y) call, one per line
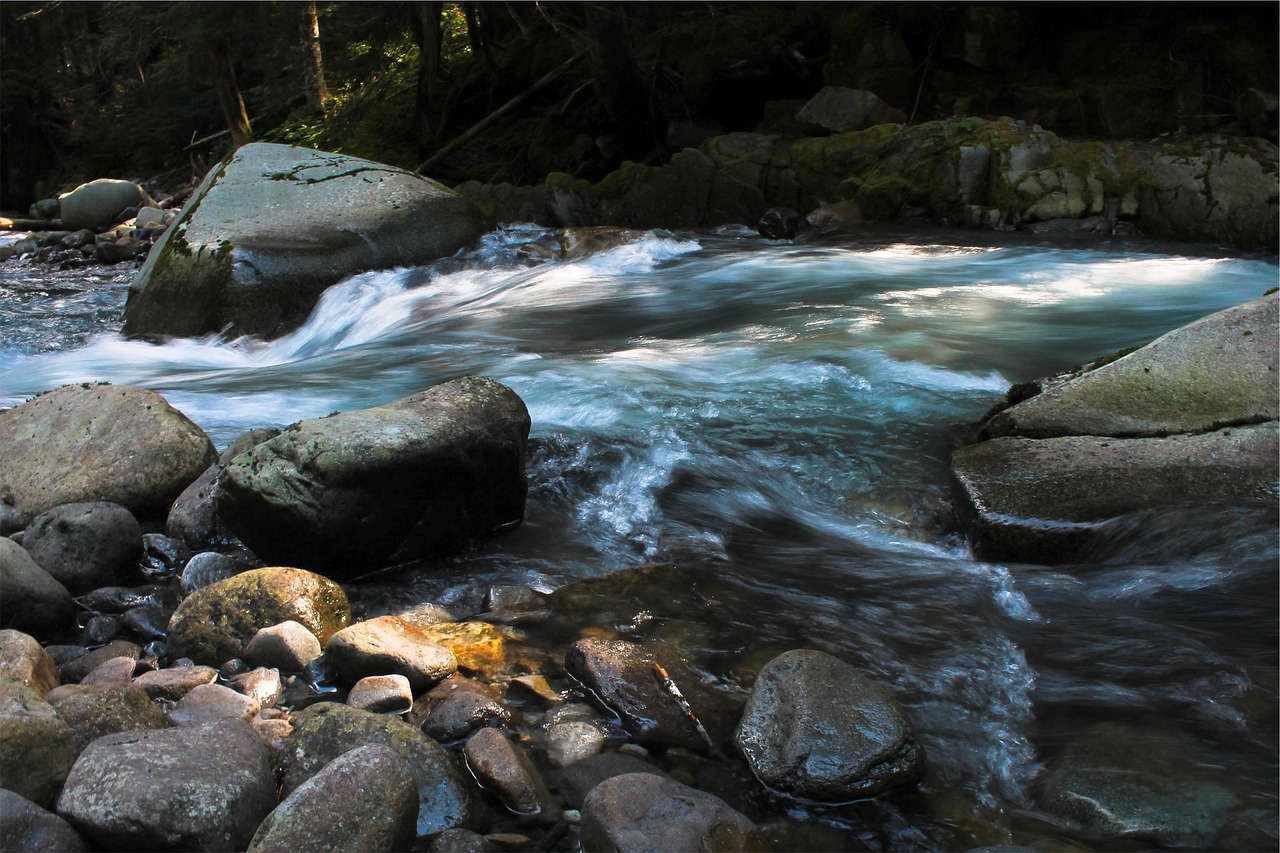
point(775, 420)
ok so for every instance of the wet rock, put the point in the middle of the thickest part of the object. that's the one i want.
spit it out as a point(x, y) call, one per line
point(118, 599)
point(1119, 780)
point(36, 745)
point(462, 841)
point(583, 242)
point(173, 683)
point(100, 630)
point(34, 601)
point(162, 555)
point(115, 251)
point(261, 685)
point(573, 734)
point(99, 204)
point(92, 711)
point(389, 645)
point(270, 229)
point(325, 731)
point(207, 702)
point(838, 216)
point(816, 727)
point(75, 670)
point(779, 223)
point(840, 110)
point(641, 811)
point(23, 661)
point(458, 706)
point(193, 518)
point(512, 604)
point(288, 647)
point(201, 787)
point(97, 443)
point(365, 799)
point(25, 826)
point(86, 545)
point(503, 767)
point(149, 622)
point(621, 676)
point(209, 567)
point(480, 648)
point(382, 694)
point(360, 490)
point(216, 623)
point(581, 777)
point(114, 671)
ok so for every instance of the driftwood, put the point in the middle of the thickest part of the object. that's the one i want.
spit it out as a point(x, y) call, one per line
point(497, 114)
point(7, 224)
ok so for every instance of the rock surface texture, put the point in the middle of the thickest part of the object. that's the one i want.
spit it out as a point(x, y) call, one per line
point(361, 490)
point(273, 226)
point(1191, 415)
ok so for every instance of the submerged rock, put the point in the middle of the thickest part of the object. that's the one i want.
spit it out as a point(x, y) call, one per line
point(503, 767)
point(96, 443)
point(361, 490)
point(816, 727)
point(273, 226)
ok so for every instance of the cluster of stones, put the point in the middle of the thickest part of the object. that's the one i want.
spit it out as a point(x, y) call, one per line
point(169, 691)
point(102, 221)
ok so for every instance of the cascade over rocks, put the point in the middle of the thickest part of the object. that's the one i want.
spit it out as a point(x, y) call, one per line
point(96, 443)
point(1191, 415)
point(273, 226)
point(361, 490)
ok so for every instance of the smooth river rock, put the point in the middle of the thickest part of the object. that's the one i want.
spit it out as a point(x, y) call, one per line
point(96, 443)
point(816, 727)
point(85, 546)
point(202, 787)
point(388, 645)
point(31, 599)
point(36, 745)
point(99, 204)
point(25, 826)
point(216, 623)
point(273, 226)
point(23, 660)
point(92, 711)
point(356, 491)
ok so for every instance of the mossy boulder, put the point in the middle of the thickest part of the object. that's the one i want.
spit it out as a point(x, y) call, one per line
point(216, 623)
point(273, 226)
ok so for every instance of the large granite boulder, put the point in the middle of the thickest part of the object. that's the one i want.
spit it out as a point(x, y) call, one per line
point(1191, 416)
point(100, 204)
point(816, 727)
point(216, 623)
point(273, 226)
point(96, 443)
point(360, 490)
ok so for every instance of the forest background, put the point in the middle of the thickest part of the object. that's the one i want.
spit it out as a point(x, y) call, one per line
point(512, 91)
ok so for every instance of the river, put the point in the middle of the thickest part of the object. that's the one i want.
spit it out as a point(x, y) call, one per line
point(775, 419)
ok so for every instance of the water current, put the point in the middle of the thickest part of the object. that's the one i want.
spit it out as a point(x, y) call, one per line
point(775, 420)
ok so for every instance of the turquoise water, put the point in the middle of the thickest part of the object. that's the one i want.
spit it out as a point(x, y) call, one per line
point(776, 419)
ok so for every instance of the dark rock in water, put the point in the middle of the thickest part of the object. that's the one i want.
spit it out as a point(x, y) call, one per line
point(100, 630)
point(193, 518)
point(203, 787)
point(503, 768)
point(118, 599)
point(270, 229)
point(365, 799)
point(22, 660)
point(288, 646)
point(36, 745)
point(116, 251)
point(1119, 780)
point(209, 567)
point(75, 670)
point(86, 545)
point(573, 732)
point(26, 826)
point(95, 710)
point(457, 706)
point(216, 623)
point(816, 727)
point(76, 239)
point(779, 223)
point(640, 812)
point(462, 841)
point(622, 677)
point(579, 243)
point(162, 555)
point(97, 443)
point(581, 777)
point(31, 599)
point(150, 621)
point(361, 490)
point(388, 644)
point(175, 682)
point(325, 731)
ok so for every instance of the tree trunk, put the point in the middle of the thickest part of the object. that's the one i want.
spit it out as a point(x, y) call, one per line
point(224, 81)
point(623, 92)
point(426, 29)
point(317, 91)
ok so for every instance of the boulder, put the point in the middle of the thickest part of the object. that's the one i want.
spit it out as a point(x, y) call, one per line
point(77, 668)
point(262, 685)
point(26, 826)
point(92, 711)
point(193, 518)
point(816, 727)
point(273, 226)
point(36, 745)
point(840, 110)
point(24, 661)
point(206, 702)
point(85, 546)
point(581, 777)
point(458, 706)
point(360, 490)
point(203, 787)
point(112, 671)
point(382, 694)
point(504, 768)
point(173, 683)
point(1190, 414)
point(216, 623)
point(288, 647)
point(99, 204)
point(31, 600)
point(642, 811)
point(388, 645)
point(96, 443)
point(365, 799)
point(325, 731)
point(209, 567)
